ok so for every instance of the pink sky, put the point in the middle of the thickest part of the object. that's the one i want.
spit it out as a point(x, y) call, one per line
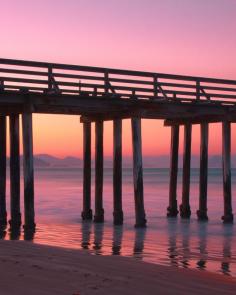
point(174, 36)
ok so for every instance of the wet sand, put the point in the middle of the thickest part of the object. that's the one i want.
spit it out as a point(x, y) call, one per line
point(27, 268)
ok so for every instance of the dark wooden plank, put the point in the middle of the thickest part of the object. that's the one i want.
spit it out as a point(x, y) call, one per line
point(99, 211)
point(191, 86)
point(226, 155)
point(27, 130)
point(19, 87)
point(131, 81)
point(3, 211)
point(25, 80)
point(172, 210)
point(198, 120)
point(117, 172)
point(177, 85)
point(217, 88)
point(202, 212)
point(185, 211)
point(78, 76)
point(87, 211)
point(140, 215)
point(193, 94)
point(23, 72)
point(15, 221)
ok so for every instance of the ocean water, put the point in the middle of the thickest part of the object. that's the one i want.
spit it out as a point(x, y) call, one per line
point(182, 243)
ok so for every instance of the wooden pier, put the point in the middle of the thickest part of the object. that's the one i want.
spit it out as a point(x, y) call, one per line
point(102, 94)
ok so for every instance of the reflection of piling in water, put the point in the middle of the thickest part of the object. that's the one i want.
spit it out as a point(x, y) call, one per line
point(227, 253)
point(86, 234)
point(202, 233)
point(185, 245)
point(117, 240)
point(98, 238)
point(140, 234)
point(172, 249)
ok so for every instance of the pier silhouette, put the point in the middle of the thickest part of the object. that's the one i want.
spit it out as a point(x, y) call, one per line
point(100, 94)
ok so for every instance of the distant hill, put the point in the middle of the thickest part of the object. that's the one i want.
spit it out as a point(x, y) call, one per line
point(163, 161)
point(58, 162)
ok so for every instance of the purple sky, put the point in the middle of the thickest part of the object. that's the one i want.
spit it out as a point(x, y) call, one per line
point(181, 36)
point(192, 37)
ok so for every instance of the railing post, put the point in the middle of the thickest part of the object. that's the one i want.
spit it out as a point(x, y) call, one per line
point(50, 84)
point(106, 82)
point(202, 212)
point(87, 211)
point(155, 88)
point(198, 96)
point(99, 211)
point(1, 85)
point(226, 150)
point(15, 221)
point(117, 172)
point(185, 211)
point(172, 210)
point(3, 211)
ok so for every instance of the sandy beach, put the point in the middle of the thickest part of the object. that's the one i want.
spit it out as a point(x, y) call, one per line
point(28, 268)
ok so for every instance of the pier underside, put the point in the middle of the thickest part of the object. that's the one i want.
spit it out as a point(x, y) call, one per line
point(107, 107)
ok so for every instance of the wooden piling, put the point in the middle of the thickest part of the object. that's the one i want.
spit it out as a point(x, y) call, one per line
point(185, 211)
point(15, 221)
point(117, 172)
point(99, 211)
point(28, 171)
point(87, 211)
point(172, 210)
point(138, 173)
point(226, 150)
point(202, 212)
point(3, 211)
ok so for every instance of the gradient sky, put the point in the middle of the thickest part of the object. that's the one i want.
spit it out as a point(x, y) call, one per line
point(191, 37)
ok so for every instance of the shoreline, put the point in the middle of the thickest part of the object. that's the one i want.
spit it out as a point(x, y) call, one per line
point(29, 268)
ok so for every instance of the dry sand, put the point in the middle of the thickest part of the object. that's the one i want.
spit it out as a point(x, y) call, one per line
point(27, 268)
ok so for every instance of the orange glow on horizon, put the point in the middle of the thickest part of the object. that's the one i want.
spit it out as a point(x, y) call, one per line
point(62, 136)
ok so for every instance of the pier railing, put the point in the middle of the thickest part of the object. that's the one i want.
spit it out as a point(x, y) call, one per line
point(51, 78)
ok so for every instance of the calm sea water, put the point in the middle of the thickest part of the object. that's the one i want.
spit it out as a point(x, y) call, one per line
point(181, 243)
